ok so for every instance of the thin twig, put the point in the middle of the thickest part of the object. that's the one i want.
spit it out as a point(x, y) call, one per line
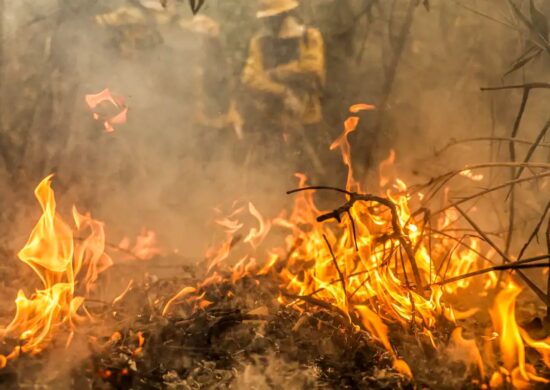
point(533, 147)
point(504, 256)
point(455, 142)
point(447, 259)
point(447, 177)
point(519, 86)
point(502, 267)
point(340, 274)
point(317, 302)
point(535, 231)
point(489, 190)
point(313, 188)
point(512, 148)
point(116, 248)
point(354, 197)
point(485, 15)
point(353, 231)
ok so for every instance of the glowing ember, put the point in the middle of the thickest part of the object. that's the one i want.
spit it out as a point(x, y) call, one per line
point(62, 262)
point(470, 175)
point(108, 109)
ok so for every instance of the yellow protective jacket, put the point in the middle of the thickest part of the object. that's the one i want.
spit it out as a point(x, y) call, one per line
point(304, 75)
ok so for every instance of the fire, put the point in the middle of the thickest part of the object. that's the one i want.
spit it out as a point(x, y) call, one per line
point(372, 268)
point(146, 245)
point(67, 266)
point(512, 340)
point(470, 175)
point(384, 167)
point(108, 109)
point(466, 350)
point(380, 267)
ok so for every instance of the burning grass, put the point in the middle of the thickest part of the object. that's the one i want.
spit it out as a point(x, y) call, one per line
point(376, 293)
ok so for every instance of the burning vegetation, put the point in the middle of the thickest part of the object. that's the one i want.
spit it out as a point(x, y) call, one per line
point(360, 275)
point(377, 283)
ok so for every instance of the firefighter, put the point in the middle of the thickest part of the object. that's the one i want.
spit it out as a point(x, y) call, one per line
point(135, 25)
point(285, 74)
point(214, 110)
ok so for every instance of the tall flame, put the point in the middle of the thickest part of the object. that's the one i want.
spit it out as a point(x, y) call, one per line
point(57, 258)
point(512, 339)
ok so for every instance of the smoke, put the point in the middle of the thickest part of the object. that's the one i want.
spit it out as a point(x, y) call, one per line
point(165, 170)
point(271, 371)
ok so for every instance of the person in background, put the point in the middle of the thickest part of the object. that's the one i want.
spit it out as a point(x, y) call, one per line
point(135, 25)
point(285, 75)
point(146, 31)
point(214, 109)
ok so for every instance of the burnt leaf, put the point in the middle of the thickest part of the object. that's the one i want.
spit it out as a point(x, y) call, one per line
point(196, 5)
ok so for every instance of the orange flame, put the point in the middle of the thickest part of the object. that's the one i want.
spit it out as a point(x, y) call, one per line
point(472, 176)
point(95, 101)
point(146, 245)
point(363, 267)
point(512, 338)
point(343, 143)
point(57, 258)
point(383, 168)
point(466, 350)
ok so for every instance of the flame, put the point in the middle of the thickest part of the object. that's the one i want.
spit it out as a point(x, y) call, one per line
point(141, 343)
point(472, 176)
point(146, 245)
point(361, 107)
point(383, 169)
point(465, 350)
point(343, 143)
point(95, 101)
point(183, 293)
point(512, 339)
point(64, 264)
point(256, 236)
point(121, 296)
point(379, 265)
point(361, 267)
